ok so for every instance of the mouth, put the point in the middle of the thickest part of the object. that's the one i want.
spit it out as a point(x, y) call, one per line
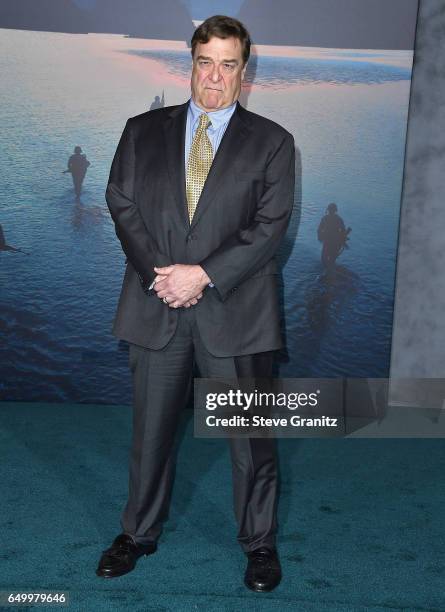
point(213, 89)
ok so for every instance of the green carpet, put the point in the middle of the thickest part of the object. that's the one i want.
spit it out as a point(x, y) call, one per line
point(360, 520)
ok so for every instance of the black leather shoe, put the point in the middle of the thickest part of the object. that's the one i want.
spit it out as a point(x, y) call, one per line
point(263, 572)
point(122, 555)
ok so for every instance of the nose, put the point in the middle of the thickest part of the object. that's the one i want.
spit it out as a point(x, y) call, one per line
point(215, 75)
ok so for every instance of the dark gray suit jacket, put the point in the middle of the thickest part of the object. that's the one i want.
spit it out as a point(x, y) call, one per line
point(240, 219)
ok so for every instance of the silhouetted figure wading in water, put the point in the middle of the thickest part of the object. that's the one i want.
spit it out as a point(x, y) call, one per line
point(333, 234)
point(77, 165)
point(158, 102)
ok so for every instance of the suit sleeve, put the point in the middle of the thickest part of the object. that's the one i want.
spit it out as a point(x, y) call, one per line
point(137, 244)
point(248, 250)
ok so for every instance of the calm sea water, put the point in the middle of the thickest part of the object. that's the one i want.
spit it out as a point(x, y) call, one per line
point(282, 71)
point(347, 111)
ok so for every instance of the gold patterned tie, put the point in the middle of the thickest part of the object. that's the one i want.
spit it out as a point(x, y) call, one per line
point(198, 164)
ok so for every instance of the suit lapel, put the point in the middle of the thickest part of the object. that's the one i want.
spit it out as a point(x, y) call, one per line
point(174, 132)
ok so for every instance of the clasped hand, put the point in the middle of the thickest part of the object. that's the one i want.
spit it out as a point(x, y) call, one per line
point(180, 284)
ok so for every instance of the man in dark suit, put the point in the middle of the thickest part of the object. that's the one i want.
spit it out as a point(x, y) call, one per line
point(200, 194)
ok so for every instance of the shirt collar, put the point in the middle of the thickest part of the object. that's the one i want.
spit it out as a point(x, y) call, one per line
point(218, 117)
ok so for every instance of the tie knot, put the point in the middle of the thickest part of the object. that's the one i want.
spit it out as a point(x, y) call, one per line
point(204, 122)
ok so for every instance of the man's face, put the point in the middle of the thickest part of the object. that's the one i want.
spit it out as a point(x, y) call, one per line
point(217, 73)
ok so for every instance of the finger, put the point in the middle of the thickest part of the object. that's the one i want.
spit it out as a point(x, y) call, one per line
point(193, 302)
point(163, 285)
point(160, 287)
point(165, 270)
point(175, 304)
point(162, 293)
point(187, 304)
point(161, 282)
point(196, 298)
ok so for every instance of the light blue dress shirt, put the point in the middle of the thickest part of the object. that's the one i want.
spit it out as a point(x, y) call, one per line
point(219, 118)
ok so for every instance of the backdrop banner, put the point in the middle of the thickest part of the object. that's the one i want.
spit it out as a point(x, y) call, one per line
point(337, 75)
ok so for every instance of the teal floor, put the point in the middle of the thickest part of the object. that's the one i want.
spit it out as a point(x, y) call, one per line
point(360, 520)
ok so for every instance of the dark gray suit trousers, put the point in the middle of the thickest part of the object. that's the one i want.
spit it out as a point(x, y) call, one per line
point(161, 384)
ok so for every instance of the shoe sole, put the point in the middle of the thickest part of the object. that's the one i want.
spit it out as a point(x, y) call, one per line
point(261, 589)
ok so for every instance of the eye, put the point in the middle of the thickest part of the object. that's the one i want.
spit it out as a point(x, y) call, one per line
point(203, 62)
point(229, 67)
